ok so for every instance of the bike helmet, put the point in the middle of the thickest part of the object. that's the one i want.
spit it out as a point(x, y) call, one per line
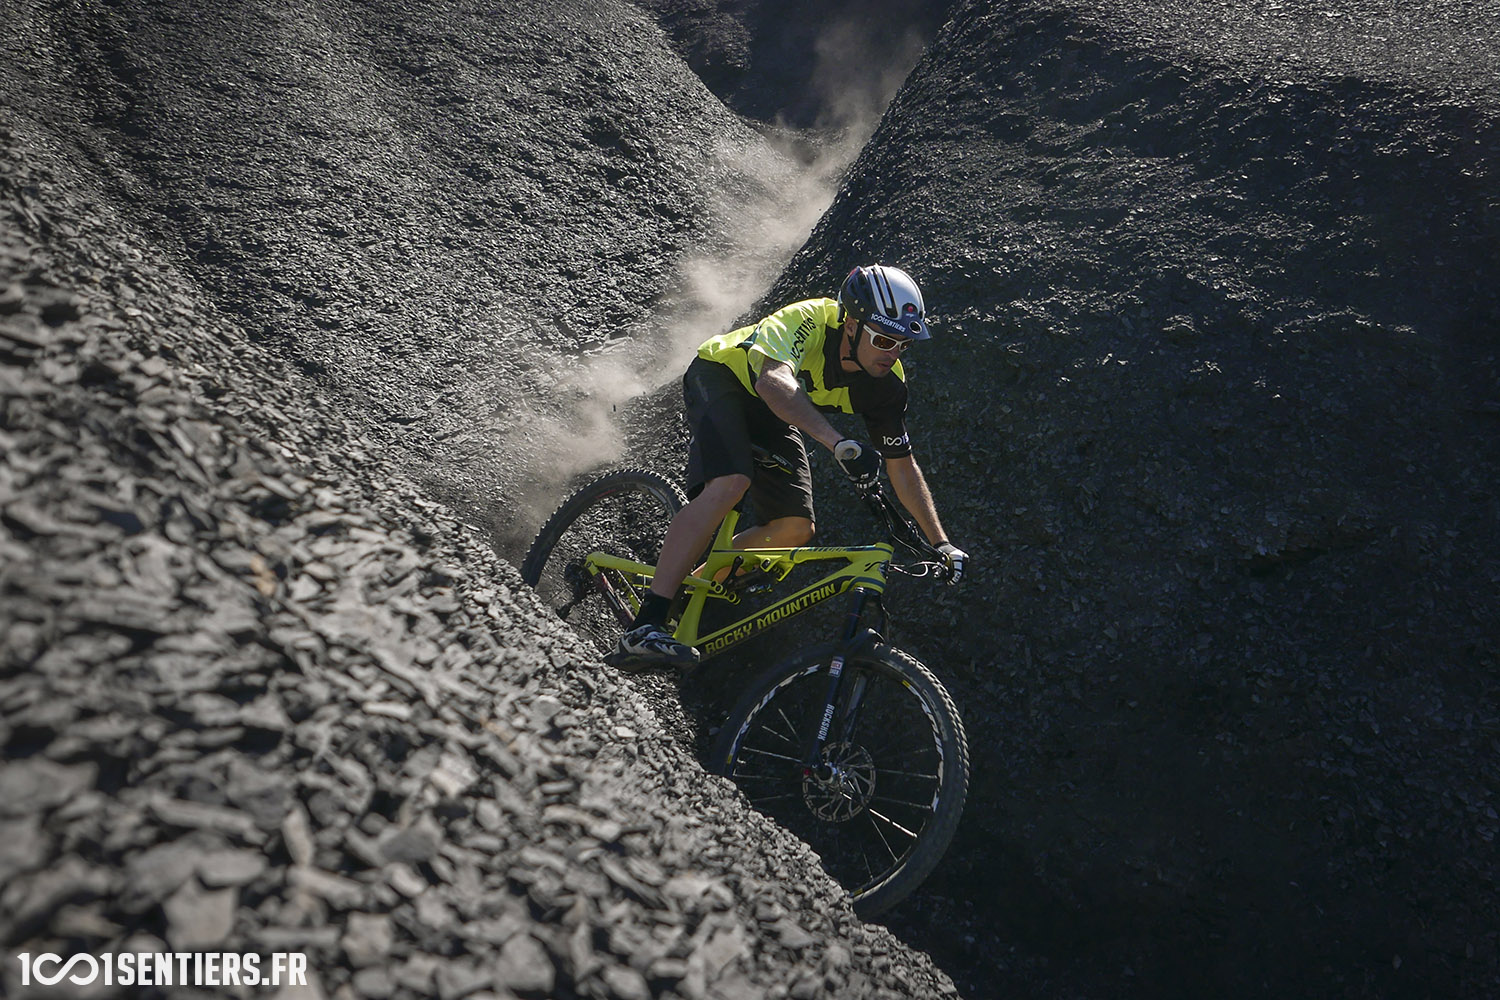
point(887, 298)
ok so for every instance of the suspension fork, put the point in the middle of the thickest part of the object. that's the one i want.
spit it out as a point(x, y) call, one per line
point(849, 638)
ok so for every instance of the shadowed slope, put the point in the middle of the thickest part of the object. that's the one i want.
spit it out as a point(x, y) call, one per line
point(1211, 398)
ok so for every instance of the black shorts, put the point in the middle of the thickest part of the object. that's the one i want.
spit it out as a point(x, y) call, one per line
point(735, 432)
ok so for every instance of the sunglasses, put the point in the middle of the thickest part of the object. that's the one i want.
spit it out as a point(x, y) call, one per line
point(885, 342)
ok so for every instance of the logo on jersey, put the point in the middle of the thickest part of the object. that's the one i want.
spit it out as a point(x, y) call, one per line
point(804, 331)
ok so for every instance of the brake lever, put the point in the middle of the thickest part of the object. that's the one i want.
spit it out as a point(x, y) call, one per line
point(922, 570)
point(902, 531)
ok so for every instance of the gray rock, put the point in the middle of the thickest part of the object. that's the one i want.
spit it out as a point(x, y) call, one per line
point(404, 879)
point(524, 966)
point(376, 983)
point(32, 899)
point(367, 939)
point(626, 983)
point(418, 974)
point(457, 979)
point(297, 837)
point(416, 843)
point(198, 918)
point(267, 713)
point(30, 787)
point(342, 893)
point(217, 869)
point(199, 816)
point(153, 875)
point(23, 847)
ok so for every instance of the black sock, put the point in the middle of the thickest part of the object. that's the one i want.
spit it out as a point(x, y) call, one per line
point(653, 611)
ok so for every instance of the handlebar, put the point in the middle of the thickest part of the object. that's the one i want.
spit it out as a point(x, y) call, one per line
point(930, 562)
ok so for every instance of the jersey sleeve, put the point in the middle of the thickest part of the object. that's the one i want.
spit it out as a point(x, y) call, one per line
point(886, 422)
point(783, 336)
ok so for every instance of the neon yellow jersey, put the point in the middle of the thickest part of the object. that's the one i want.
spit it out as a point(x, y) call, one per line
point(805, 337)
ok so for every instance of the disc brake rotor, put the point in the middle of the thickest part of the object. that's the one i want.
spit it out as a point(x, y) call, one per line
point(840, 789)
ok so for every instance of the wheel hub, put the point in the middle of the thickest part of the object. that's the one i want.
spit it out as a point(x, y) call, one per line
point(841, 786)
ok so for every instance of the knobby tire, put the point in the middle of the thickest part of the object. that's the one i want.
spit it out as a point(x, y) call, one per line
point(624, 513)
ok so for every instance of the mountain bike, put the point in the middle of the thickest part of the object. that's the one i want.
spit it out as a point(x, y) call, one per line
point(851, 744)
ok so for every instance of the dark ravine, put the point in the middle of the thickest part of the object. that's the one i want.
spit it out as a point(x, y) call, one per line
point(1213, 399)
point(307, 309)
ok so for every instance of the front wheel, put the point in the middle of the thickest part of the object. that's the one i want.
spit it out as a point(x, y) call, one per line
point(882, 800)
point(623, 513)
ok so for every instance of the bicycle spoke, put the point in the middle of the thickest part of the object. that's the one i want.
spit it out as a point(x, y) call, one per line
point(880, 816)
point(774, 756)
point(912, 776)
point(791, 728)
point(884, 842)
point(784, 797)
point(920, 807)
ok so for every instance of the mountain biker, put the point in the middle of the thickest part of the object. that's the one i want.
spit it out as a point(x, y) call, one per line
point(763, 387)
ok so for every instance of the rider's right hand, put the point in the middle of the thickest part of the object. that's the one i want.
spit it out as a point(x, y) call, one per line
point(860, 462)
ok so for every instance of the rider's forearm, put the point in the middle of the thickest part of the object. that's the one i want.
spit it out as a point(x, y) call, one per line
point(780, 391)
point(911, 489)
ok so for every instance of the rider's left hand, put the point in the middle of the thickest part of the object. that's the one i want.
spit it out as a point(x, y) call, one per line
point(955, 557)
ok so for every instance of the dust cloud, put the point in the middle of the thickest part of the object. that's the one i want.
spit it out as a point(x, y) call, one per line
point(793, 175)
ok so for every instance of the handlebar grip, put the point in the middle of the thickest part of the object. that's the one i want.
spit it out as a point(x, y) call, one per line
point(846, 449)
point(860, 462)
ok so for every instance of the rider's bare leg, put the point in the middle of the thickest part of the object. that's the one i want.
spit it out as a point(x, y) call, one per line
point(780, 533)
point(692, 529)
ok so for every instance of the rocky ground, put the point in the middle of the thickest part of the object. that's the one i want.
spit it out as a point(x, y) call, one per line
point(250, 706)
point(263, 689)
point(308, 311)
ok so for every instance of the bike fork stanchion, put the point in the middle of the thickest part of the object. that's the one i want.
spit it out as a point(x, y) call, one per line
point(811, 760)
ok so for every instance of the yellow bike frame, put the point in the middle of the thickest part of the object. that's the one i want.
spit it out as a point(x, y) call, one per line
point(624, 581)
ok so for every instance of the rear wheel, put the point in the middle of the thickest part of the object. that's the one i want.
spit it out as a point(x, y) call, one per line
point(624, 513)
point(882, 801)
